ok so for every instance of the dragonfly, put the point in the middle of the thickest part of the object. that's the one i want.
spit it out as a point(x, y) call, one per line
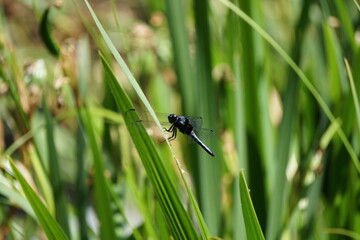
point(189, 126)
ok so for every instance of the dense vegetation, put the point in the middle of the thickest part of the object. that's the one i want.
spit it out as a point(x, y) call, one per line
point(277, 82)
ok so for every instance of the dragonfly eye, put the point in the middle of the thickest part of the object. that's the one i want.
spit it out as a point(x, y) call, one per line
point(172, 118)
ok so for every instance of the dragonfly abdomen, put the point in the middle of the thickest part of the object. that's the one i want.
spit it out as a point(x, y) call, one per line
point(198, 141)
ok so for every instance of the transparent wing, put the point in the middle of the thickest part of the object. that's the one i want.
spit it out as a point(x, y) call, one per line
point(146, 120)
point(151, 128)
point(149, 124)
point(146, 116)
point(196, 122)
point(202, 134)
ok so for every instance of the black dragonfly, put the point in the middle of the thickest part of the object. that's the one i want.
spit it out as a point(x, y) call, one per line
point(190, 126)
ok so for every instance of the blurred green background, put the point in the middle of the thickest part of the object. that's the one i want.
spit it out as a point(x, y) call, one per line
point(277, 82)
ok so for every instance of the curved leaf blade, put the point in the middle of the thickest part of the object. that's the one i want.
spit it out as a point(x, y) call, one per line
point(46, 220)
point(46, 34)
point(252, 225)
point(178, 220)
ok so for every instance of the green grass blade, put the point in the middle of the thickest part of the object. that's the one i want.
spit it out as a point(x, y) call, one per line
point(102, 197)
point(252, 79)
point(42, 177)
point(201, 221)
point(174, 212)
point(335, 67)
point(46, 34)
point(207, 169)
point(252, 226)
point(22, 140)
point(346, 23)
point(82, 188)
point(84, 64)
point(357, 5)
point(241, 147)
point(354, 93)
point(180, 46)
point(82, 191)
point(61, 211)
point(343, 232)
point(48, 223)
point(12, 78)
point(15, 197)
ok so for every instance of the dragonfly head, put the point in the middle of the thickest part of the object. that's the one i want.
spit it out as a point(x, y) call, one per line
point(172, 118)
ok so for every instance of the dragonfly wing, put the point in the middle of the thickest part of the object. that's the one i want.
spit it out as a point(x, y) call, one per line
point(202, 134)
point(148, 124)
point(146, 116)
point(151, 128)
point(196, 122)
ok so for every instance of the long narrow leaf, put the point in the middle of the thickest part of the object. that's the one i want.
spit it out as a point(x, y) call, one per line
point(102, 196)
point(61, 211)
point(175, 13)
point(354, 93)
point(46, 33)
point(252, 226)
point(50, 226)
point(15, 197)
point(175, 215)
point(208, 175)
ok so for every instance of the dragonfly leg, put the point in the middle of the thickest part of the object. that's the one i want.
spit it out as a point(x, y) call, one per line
point(173, 136)
point(170, 128)
point(175, 132)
